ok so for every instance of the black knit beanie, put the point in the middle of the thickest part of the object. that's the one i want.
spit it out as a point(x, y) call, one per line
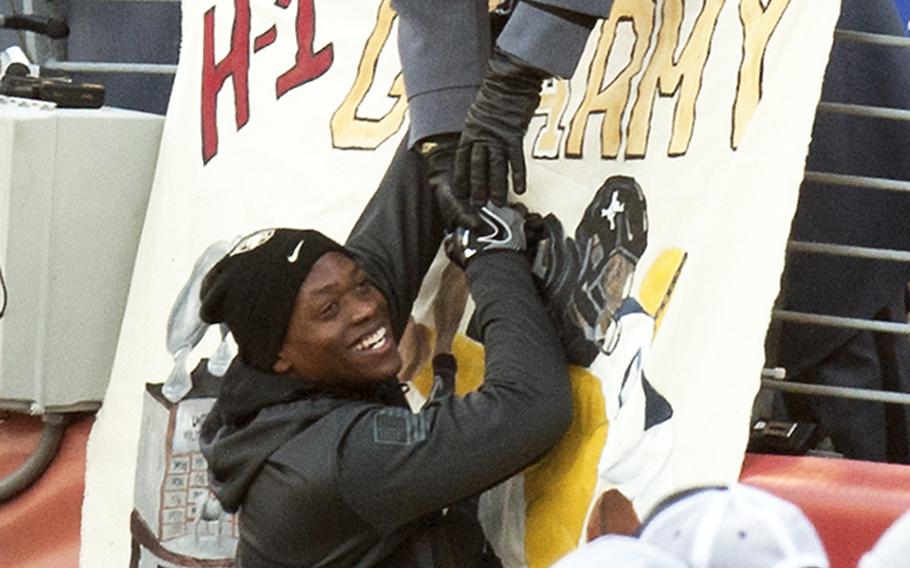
point(254, 287)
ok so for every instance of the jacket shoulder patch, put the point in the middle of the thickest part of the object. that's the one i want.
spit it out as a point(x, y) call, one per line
point(399, 426)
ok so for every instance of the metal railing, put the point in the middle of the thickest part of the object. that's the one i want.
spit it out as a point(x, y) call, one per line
point(850, 251)
point(860, 182)
point(94, 67)
point(851, 393)
point(775, 378)
point(51, 54)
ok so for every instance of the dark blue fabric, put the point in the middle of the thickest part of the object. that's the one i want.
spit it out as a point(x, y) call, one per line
point(868, 75)
point(865, 75)
point(861, 430)
point(903, 6)
point(134, 32)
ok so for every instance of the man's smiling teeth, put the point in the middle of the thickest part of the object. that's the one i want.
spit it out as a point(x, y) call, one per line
point(373, 341)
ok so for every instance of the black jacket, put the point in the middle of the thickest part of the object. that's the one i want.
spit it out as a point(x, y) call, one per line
point(354, 478)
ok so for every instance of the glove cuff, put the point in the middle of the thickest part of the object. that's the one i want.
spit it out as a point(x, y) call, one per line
point(515, 72)
point(500, 229)
point(547, 37)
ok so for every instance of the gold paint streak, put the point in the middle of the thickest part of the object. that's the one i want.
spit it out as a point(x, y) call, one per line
point(612, 100)
point(553, 103)
point(560, 488)
point(657, 286)
point(352, 131)
point(672, 76)
point(759, 23)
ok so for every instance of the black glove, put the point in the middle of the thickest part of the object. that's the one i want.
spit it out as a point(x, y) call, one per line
point(501, 228)
point(556, 267)
point(492, 139)
point(438, 153)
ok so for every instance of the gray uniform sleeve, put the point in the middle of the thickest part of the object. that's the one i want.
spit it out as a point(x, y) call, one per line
point(444, 46)
point(551, 35)
point(596, 8)
point(395, 466)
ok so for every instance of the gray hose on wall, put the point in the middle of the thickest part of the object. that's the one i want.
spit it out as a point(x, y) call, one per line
point(37, 463)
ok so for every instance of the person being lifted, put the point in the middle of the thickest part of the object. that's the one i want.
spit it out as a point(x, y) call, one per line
point(311, 438)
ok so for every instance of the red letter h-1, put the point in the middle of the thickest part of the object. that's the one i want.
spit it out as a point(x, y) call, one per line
point(235, 65)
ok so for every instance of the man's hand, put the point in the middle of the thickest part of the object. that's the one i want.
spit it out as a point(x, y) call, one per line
point(501, 228)
point(492, 139)
point(438, 152)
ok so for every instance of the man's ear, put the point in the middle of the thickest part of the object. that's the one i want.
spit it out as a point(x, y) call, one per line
point(281, 365)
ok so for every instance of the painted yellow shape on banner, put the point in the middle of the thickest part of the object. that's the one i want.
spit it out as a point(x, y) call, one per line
point(657, 286)
point(559, 488)
point(469, 374)
point(349, 130)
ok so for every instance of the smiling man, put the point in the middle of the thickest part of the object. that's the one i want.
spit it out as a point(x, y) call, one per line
point(327, 345)
point(311, 438)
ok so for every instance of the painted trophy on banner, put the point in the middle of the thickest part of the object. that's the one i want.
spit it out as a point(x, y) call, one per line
point(176, 521)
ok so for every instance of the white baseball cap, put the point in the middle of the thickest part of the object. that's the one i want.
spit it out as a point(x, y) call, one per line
point(892, 549)
point(617, 550)
point(734, 527)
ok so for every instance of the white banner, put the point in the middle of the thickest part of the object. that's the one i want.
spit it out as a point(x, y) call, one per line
point(672, 158)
